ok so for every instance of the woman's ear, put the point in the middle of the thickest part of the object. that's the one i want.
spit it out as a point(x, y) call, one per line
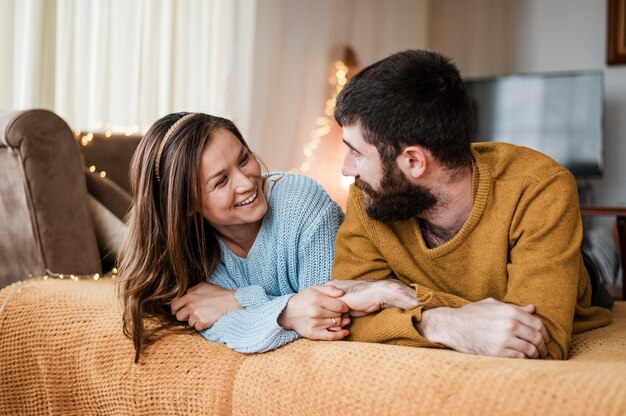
point(413, 161)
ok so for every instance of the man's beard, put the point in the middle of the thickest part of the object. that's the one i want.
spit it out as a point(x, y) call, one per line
point(397, 199)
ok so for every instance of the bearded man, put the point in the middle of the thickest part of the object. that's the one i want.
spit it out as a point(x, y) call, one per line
point(449, 243)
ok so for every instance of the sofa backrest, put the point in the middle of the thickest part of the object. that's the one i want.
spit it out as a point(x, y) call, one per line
point(45, 223)
point(109, 153)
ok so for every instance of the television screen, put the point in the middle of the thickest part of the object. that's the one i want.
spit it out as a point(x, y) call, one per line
point(560, 115)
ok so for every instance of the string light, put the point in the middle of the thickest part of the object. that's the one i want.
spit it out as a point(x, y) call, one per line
point(109, 130)
point(76, 277)
point(337, 80)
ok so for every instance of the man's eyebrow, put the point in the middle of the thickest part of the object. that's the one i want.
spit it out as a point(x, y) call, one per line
point(351, 147)
point(211, 177)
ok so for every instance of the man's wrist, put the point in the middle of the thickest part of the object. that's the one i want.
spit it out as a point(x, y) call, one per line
point(398, 294)
point(432, 325)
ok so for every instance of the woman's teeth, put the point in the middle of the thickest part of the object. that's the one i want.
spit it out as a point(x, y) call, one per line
point(247, 201)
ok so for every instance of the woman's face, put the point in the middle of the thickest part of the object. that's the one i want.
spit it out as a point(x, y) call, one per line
point(231, 184)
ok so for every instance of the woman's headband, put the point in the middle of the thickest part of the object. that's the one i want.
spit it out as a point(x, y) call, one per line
point(169, 133)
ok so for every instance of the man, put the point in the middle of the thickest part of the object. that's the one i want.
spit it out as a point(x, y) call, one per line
point(474, 247)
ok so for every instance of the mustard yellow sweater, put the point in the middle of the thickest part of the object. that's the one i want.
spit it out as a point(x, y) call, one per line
point(520, 245)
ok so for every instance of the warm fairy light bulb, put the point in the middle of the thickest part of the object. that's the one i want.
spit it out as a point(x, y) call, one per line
point(103, 174)
point(92, 168)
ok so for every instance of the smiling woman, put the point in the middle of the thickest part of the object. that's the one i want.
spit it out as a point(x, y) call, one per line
point(239, 255)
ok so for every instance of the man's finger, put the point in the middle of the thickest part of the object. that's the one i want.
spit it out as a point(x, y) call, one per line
point(509, 353)
point(535, 322)
point(544, 333)
point(526, 348)
point(334, 306)
point(329, 290)
point(533, 336)
point(522, 314)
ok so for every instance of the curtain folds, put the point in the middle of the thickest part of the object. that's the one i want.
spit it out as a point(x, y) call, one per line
point(125, 63)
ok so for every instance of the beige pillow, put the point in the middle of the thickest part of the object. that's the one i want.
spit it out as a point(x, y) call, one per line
point(110, 232)
point(108, 204)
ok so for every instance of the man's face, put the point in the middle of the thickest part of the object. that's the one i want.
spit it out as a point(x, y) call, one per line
point(388, 195)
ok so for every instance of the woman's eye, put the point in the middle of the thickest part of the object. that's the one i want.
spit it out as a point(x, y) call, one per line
point(245, 159)
point(221, 182)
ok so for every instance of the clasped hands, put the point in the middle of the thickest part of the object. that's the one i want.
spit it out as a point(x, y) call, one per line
point(487, 327)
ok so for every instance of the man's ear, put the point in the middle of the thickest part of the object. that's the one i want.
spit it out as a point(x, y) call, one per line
point(413, 161)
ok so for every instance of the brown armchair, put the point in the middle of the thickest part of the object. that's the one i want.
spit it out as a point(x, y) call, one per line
point(45, 217)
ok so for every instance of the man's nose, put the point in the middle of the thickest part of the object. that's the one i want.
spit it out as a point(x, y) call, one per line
point(348, 168)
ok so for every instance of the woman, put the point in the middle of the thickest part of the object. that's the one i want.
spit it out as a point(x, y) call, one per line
point(202, 211)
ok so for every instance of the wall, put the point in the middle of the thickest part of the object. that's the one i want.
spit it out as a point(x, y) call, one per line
point(492, 37)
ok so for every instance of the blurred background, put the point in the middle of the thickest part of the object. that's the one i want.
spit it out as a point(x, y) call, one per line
point(275, 66)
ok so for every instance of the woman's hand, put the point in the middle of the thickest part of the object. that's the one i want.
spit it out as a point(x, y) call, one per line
point(315, 313)
point(204, 304)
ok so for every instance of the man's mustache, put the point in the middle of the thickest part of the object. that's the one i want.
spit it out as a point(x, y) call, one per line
point(364, 186)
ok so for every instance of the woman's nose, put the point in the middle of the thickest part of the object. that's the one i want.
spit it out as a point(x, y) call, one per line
point(245, 183)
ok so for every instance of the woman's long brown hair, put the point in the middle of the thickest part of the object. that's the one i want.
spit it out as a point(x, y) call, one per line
point(169, 247)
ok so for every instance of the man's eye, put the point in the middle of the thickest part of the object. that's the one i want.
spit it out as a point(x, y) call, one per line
point(245, 159)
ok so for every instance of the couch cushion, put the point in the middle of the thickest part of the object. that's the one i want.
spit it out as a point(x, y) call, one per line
point(109, 204)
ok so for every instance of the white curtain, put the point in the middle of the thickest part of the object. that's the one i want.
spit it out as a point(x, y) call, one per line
point(127, 62)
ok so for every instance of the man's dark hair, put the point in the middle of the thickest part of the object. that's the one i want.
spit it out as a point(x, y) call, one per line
point(415, 97)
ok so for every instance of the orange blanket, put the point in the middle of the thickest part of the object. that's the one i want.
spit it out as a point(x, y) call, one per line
point(62, 352)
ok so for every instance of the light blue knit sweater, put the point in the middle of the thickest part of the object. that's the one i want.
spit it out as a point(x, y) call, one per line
point(294, 249)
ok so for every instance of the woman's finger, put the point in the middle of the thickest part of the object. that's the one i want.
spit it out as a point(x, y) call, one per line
point(178, 303)
point(325, 335)
point(334, 306)
point(183, 314)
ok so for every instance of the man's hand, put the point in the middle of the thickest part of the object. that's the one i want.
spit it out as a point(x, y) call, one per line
point(488, 327)
point(204, 304)
point(364, 297)
point(316, 313)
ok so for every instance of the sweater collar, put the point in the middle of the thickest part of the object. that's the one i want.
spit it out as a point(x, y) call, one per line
point(481, 186)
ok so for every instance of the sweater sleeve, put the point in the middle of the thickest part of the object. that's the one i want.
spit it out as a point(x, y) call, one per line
point(247, 296)
point(546, 267)
point(358, 258)
point(255, 329)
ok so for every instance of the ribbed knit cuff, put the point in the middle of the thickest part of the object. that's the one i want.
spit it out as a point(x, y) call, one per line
point(251, 296)
point(431, 299)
